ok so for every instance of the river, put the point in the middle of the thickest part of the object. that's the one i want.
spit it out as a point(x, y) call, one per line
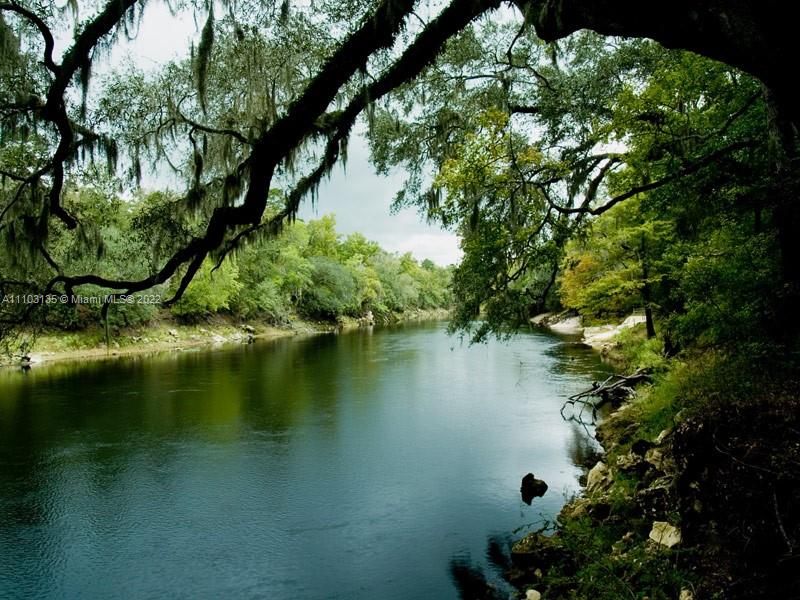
point(371, 464)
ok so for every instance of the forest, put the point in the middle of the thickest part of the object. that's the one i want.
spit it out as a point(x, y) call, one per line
point(308, 271)
point(594, 157)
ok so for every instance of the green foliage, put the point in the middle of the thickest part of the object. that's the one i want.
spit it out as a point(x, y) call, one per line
point(211, 291)
point(638, 352)
point(634, 570)
point(607, 270)
point(728, 288)
point(332, 291)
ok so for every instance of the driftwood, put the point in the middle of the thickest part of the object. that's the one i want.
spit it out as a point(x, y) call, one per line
point(616, 389)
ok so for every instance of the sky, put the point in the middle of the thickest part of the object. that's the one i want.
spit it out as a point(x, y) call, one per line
point(358, 197)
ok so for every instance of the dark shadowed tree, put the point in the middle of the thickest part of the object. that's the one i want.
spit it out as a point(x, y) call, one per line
point(267, 102)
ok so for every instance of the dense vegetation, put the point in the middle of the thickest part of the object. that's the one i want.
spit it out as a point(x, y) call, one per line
point(599, 174)
point(308, 270)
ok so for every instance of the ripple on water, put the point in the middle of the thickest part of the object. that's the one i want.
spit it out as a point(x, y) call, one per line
point(359, 466)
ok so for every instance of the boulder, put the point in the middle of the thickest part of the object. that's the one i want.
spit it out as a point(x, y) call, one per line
point(576, 509)
point(249, 329)
point(656, 458)
point(571, 325)
point(686, 595)
point(663, 436)
point(532, 488)
point(665, 534)
point(598, 477)
point(629, 462)
point(533, 595)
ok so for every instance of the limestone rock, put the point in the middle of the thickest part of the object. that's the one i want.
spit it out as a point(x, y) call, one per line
point(663, 436)
point(686, 595)
point(575, 509)
point(533, 595)
point(542, 319)
point(571, 325)
point(598, 477)
point(665, 534)
point(656, 458)
point(629, 462)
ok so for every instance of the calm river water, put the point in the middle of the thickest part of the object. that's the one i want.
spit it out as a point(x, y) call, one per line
point(366, 465)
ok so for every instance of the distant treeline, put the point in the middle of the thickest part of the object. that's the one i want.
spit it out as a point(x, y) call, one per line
point(308, 270)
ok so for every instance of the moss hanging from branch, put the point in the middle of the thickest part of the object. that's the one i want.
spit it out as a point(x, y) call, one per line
point(203, 57)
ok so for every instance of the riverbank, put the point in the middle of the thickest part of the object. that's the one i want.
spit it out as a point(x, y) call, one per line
point(167, 334)
point(694, 493)
point(600, 337)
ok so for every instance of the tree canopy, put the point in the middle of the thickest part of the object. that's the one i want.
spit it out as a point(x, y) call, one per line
point(470, 96)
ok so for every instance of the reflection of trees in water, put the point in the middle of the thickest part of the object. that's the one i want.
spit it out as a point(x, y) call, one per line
point(575, 358)
point(583, 449)
point(475, 583)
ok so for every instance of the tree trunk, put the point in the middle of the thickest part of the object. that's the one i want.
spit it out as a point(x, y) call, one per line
point(782, 145)
point(646, 292)
point(756, 36)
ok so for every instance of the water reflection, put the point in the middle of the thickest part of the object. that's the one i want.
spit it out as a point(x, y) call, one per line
point(350, 466)
point(475, 583)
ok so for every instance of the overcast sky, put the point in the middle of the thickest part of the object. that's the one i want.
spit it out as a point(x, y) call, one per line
point(358, 197)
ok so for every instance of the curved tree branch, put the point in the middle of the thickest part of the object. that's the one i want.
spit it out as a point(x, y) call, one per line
point(47, 35)
point(686, 170)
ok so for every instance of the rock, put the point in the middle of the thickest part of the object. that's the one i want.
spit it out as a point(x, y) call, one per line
point(532, 595)
point(542, 319)
point(537, 551)
point(686, 595)
point(574, 510)
point(532, 488)
point(571, 325)
point(602, 336)
point(172, 332)
point(663, 436)
point(598, 477)
point(217, 339)
point(665, 534)
point(656, 458)
point(249, 329)
point(629, 462)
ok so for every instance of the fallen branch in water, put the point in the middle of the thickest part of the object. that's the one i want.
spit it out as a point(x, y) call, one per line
point(615, 389)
